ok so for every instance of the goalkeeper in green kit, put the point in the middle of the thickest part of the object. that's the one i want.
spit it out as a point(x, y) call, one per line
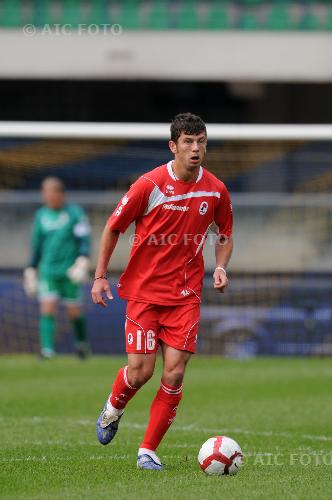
point(59, 264)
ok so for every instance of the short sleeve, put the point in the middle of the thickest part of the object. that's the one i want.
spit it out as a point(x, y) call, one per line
point(81, 227)
point(132, 206)
point(223, 215)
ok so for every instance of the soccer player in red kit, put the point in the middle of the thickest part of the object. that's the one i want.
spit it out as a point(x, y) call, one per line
point(173, 207)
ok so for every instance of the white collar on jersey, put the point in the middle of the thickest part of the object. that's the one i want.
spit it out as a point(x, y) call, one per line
point(172, 174)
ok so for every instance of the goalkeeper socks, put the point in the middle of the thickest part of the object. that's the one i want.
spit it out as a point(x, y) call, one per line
point(122, 391)
point(46, 334)
point(79, 327)
point(162, 414)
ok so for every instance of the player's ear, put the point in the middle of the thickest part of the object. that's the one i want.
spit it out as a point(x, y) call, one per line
point(173, 147)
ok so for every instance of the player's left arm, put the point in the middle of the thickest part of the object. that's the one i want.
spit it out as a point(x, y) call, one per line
point(223, 249)
point(223, 217)
point(79, 271)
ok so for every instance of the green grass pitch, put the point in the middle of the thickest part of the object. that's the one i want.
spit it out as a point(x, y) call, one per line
point(279, 410)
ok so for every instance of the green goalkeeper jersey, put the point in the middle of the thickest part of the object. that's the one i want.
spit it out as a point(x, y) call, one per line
point(58, 238)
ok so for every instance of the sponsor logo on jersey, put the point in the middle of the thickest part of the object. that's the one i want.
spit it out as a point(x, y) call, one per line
point(203, 208)
point(171, 206)
point(185, 293)
point(50, 224)
point(169, 189)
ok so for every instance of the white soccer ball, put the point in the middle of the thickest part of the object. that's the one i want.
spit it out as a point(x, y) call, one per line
point(220, 455)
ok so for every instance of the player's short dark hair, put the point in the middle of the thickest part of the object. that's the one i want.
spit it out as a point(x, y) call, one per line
point(188, 123)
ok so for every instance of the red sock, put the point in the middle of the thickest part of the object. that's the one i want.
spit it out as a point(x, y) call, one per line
point(122, 392)
point(162, 414)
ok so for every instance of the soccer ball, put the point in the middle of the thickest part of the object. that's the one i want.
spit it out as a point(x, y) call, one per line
point(220, 455)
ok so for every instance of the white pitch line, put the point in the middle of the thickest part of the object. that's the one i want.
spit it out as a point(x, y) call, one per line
point(193, 428)
point(43, 458)
point(184, 428)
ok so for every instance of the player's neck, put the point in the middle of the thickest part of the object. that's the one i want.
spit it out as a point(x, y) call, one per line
point(183, 174)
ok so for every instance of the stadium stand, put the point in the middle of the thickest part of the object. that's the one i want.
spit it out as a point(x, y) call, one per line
point(278, 15)
point(246, 166)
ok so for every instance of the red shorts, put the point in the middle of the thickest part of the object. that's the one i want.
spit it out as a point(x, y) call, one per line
point(148, 324)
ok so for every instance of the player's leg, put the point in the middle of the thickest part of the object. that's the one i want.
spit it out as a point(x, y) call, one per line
point(164, 406)
point(141, 345)
point(48, 300)
point(129, 380)
point(71, 294)
point(178, 335)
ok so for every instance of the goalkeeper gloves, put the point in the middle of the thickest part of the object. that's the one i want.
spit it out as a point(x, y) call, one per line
point(79, 271)
point(30, 281)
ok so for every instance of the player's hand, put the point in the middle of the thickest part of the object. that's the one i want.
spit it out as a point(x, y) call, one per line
point(30, 281)
point(99, 290)
point(79, 271)
point(220, 281)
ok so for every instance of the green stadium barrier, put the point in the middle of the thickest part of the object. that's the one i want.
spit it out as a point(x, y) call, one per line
point(328, 25)
point(158, 16)
point(99, 12)
point(218, 18)
point(168, 14)
point(42, 13)
point(248, 22)
point(252, 2)
point(129, 15)
point(11, 14)
point(187, 17)
point(310, 22)
point(279, 18)
point(71, 12)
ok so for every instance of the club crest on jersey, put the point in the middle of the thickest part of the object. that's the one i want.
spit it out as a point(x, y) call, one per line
point(169, 189)
point(130, 338)
point(203, 208)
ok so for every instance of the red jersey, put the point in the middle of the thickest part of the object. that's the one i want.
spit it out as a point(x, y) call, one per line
point(172, 218)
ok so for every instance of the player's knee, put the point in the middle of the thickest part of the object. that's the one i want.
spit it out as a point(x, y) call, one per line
point(174, 377)
point(139, 376)
point(48, 307)
point(74, 311)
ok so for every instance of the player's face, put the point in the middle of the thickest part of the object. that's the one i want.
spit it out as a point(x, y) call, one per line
point(189, 150)
point(53, 197)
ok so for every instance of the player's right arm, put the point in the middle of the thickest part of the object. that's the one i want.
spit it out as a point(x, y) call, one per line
point(101, 286)
point(130, 208)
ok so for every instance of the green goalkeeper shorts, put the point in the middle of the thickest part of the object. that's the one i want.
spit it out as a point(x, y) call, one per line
point(59, 289)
